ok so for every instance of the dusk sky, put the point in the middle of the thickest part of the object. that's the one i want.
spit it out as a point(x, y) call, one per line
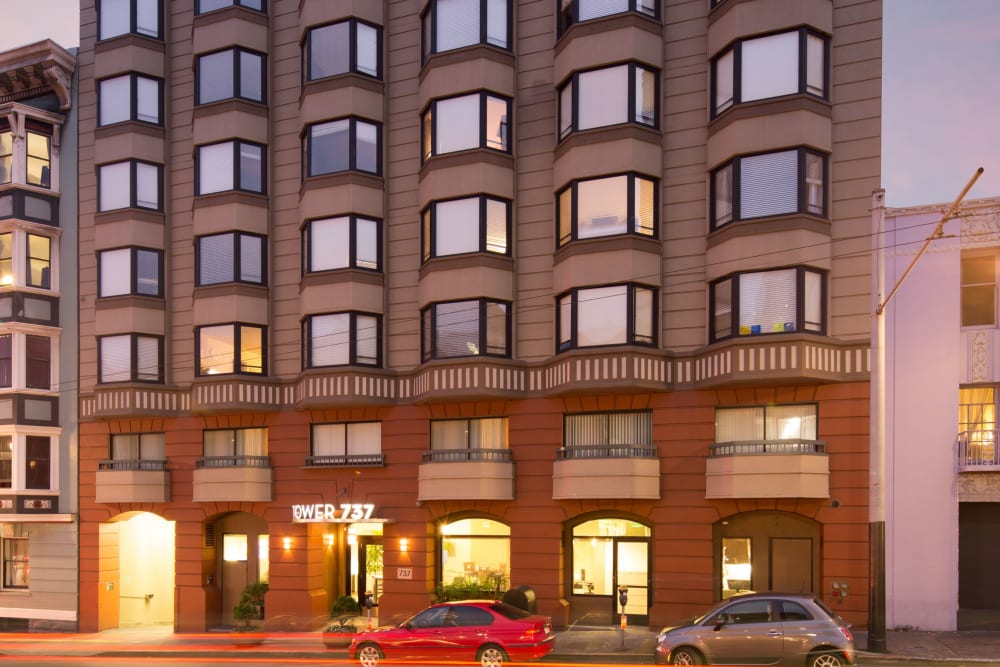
point(941, 89)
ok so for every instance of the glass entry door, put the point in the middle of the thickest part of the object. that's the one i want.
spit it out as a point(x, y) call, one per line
point(631, 571)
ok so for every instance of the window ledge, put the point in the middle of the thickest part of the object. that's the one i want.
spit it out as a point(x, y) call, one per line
point(464, 55)
point(230, 197)
point(233, 289)
point(130, 215)
point(607, 134)
point(603, 244)
point(770, 107)
point(341, 82)
point(130, 127)
point(130, 301)
point(342, 276)
point(338, 178)
point(606, 24)
point(465, 158)
point(130, 39)
point(483, 260)
point(230, 105)
point(768, 225)
point(233, 11)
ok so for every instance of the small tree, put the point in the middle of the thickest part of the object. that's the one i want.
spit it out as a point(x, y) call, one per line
point(250, 607)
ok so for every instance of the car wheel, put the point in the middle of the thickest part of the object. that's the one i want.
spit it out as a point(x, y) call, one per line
point(491, 656)
point(369, 655)
point(826, 659)
point(688, 656)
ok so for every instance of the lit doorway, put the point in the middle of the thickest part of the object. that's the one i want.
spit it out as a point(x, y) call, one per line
point(609, 554)
point(136, 580)
point(364, 572)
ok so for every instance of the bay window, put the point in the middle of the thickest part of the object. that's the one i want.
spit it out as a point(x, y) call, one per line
point(612, 205)
point(6, 154)
point(346, 443)
point(977, 426)
point(453, 24)
point(466, 225)
point(129, 97)
point(229, 165)
point(37, 354)
point(130, 357)
point(34, 155)
point(26, 463)
point(232, 73)
point(130, 270)
point(465, 329)
point(768, 184)
point(346, 144)
point(230, 348)
point(39, 158)
point(610, 315)
point(466, 122)
point(759, 68)
point(123, 17)
point(343, 242)
point(625, 93)
point(129, 184)
point(576, 11)
point(340, 339)
point(204, 6)
point(339, 48)
point(39, 261)
point(768, 302)
point(230, 257)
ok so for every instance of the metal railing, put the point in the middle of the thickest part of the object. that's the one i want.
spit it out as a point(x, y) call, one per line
point(607, 452)
point(757, 447)
point(233, 462)
point(978, 450)
point(132, 464)
point(452, 455)
point(353, 460)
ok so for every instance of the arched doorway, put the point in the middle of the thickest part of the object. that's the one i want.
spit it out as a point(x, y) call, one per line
point(136, 577)
point(766, 551)
point(607, 554)
point(237, 546)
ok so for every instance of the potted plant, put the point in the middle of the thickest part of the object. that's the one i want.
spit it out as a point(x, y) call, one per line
point(248, 609)
point(343, 622)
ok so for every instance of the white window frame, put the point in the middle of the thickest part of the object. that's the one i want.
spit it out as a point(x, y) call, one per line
point(19, 438)
point(19, 334)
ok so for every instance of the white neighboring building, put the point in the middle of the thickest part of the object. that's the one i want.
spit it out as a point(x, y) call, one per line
point(942, 389)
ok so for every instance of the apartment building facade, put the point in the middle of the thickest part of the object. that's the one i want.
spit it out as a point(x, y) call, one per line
point(38, 361)
point(942, 486)
point(391, 296)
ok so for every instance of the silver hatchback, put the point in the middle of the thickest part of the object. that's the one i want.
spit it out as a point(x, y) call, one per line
point(760, 629)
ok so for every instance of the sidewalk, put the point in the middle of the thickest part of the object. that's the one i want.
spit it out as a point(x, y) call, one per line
point(579, 644)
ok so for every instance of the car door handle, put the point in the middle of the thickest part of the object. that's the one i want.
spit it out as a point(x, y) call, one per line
point(774, 633)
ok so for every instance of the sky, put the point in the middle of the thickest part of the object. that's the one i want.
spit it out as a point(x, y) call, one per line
point(940, 89)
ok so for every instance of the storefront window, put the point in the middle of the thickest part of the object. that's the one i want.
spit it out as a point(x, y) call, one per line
point(599, 560)
point(475, 552)
point(737, 571)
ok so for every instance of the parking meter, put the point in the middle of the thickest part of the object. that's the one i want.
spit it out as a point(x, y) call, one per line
point(623, 597)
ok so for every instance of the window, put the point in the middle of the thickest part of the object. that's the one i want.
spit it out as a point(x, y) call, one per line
point(144, 447)
point(786, 63)
point(230, 165)
point(230, 348)
point(598, 546)
point(36, 153)
point(26, 462)
point(235, 446)
point(232, 73)
point(39, 159)
point(465, 329)
point(610, 315)
point(475, 551)
point(339, 48)
point(347, 144)
point(29, 206)
point(16, 562)
point(38, 362)
point(129, 97)
point(782, 183)
point(38, 462)
point(977, 426)
point(204, 6)
point(778, 301)
point(39, 261)
point(129, 184)
point(130, 271)
point(575, 11)
point(343, 242)
point(625, 93)
point(480, 120)
point(346, 444)
point(230, 257)
point(6, 155)
point(613, 205)
point(794, 423)
point(340, 339)
point(453, 24)
point(979, 290)
point(6, 258)
point(467, 435)
point(471, 224)
point(6, 360)
point(131, 358)
point(6, 458)
point(121, 17)
point(600, 433)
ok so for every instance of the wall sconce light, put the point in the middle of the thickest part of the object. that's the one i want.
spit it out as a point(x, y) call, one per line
point(328, 538)
point(403, 544)
point(287, 541)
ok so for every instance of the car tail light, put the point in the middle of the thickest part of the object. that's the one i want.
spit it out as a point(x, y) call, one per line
point(847, 634)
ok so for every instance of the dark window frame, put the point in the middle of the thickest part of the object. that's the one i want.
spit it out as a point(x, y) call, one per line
point(133, 21)
point(244, 4)
point(631, 214)
point(800, 304)
point(134, 185)
point(352, 261)
point(236, 70)
point(428, 151)
point(134, 375)
point(237, 258)
point(430, 13)
point(428, 227)
point(569, 15)
point(19, 207)
point(133, 115)
point(429, 330)
point(574, 81)
point(353, 360)
point(631, 338)
point(237, 329)
point(133, 271)
point(353, 48)
point(237, 171)
point(352, 158)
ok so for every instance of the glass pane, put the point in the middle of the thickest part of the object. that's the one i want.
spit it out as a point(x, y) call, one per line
point(457, 23)
point(790, 422)
point(592, 566)
point(496, 226)
point(737, 568)
point(496, 328)
point(565, 320)
point(329, 244)
point(215, 168)
point(565, 110)
point(767, 302)
point(147, 185)
point(457, 124)
point(813, 299)
point(367, 57)
point(216, 263)
point(601, 316)
point(450, 434)
point(645, 97)
point(770, 66)
point(769, 184)
point(113, 18)
point(251, 76)
point(215, 76)
point(147, 269)
point(603, 97)
point(367, 243)
point(367, 337)
point(739, 424)
point(329, 50)
point(724, 81)
point(116, 358)
point(496, 23)
point(328, 146)
point(330, 341)
point(251, 350)
point(497, 123)
point(722, 317)
point(367, 147)
point(329, 440)
point(364, 438)
point(645, 207)
point(125, 447)
point(148, 358)
point(251, 258)
point(723, 191)
point(457, 226)
point(815, 65)
point(602, 207)
point(644, 315)
point(592, 9)
point(251, 168)
point(217, 349)
point(457, 329)
point(148, 102)
point(147, 21)
point(116, 273)
point(115, 100)
point(153, 446)
point(115, 184)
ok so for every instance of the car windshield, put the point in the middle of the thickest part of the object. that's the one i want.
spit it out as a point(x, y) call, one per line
point(510, 611)
point(829, 612)
point(697, 620)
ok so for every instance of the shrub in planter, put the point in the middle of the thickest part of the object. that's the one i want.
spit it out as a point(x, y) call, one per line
point(345, 604)
point(341, 630)
point(250, 608)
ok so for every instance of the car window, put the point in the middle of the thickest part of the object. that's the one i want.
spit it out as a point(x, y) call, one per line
point(793, 611)
point(467, 616)
point(750, 611)
point(429, 618)
point(826, 610)
point(510, 611)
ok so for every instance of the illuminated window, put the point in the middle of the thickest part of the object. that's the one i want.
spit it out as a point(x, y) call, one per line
point(39, 261)
point(231, 348)
point(465, 329)
point(737, 566)
point(607, 206)
point(234, 447)
point(772, 423)
point(6, 155)
point(234, 548)
point(609, 315)
point(39, 167)
point(977, 426)
point(483, 439)
point(476, 552)
point(357, 443)
point(597, 546)
point(16, 563)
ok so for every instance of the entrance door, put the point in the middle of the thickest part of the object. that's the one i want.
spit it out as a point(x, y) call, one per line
point(631, 570)
point(235, 572)
point(791, 565)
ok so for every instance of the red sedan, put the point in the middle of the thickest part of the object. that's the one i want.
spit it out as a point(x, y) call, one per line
point(487, 631)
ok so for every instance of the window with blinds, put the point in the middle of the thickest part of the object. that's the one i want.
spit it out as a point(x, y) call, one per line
point(577, 11)
point(608, 428)
point(231, 257)
point(609, 315)
point(771, 422)
point(465, 328)
point(347, 439)
point(454, 24)
point(138, 446)
point(482, 433)
point(339, 339)
point(130, 357)
point(626, 93)
point(769, 302)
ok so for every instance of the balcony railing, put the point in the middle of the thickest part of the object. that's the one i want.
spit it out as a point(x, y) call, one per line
point(755, 447)
point(132, 464)
point(233, 462)
point(977, 450)
point(607, 452)
point(352, 460)
point(451, 455)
